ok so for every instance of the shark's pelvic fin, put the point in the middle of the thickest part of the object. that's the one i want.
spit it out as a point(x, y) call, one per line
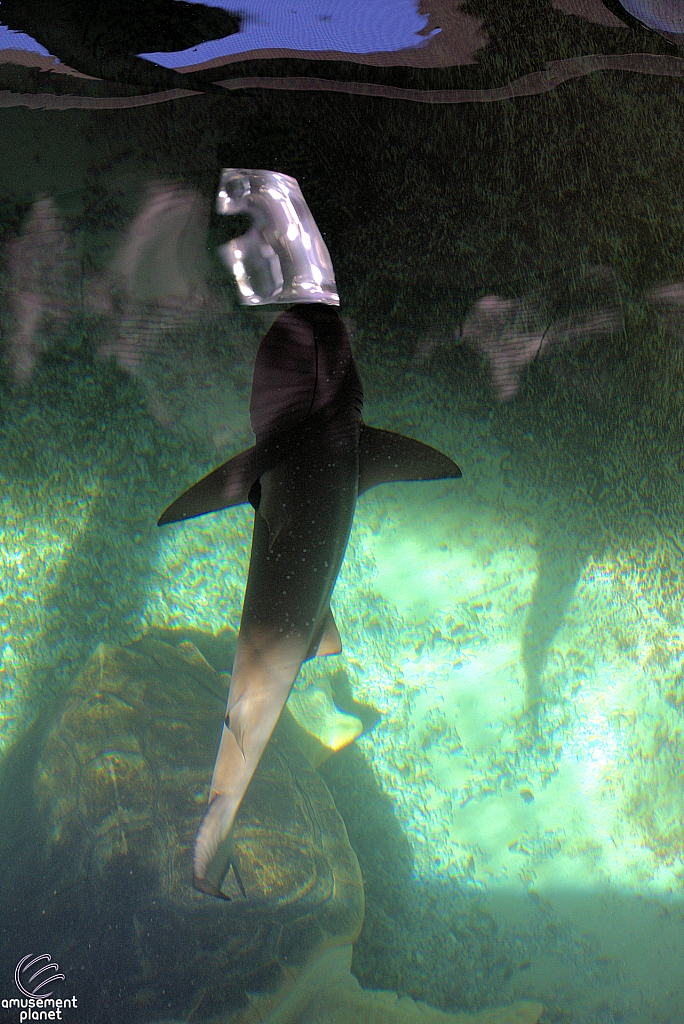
point(385, 458)
point(330, 642)
point(326, 639)
point(226, 486)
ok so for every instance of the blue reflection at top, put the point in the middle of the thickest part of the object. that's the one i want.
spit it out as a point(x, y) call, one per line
point(11, 40)
point(356, 26)
point(661, 15)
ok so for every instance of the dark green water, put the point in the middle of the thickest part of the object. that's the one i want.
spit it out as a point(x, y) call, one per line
point(508, 243)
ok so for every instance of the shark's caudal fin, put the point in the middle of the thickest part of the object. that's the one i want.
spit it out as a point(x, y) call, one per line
point(262, 677)
point(224, 487)
point(213, 850)
point(385, 458)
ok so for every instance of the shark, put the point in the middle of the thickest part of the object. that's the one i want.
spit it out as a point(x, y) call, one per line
point(312, 459)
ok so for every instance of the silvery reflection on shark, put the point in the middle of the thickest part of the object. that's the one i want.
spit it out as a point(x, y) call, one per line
point(312, 458)
point(282, 257)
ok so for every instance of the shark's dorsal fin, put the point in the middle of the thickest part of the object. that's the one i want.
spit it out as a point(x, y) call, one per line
point(224, 487)
point(385, 458)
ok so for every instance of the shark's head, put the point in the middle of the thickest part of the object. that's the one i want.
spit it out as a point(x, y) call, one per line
point(304, 367)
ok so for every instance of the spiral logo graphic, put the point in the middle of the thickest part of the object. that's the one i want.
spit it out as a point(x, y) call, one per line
point(33, 985)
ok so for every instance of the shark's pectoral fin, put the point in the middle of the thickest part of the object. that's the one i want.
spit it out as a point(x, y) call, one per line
point(385, 457)
point(224, 487)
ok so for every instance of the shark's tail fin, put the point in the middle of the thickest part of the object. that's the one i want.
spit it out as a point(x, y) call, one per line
point(213, 845)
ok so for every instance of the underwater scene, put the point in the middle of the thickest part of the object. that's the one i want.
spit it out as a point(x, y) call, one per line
point(342, 512)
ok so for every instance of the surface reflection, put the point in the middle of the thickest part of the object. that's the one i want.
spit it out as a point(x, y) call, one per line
point(155, 287)
point(591, 10)
point(665, 16)
point(512, 334)
point(40, 289)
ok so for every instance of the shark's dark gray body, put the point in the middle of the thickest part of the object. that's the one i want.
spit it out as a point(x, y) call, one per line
point(313, 457)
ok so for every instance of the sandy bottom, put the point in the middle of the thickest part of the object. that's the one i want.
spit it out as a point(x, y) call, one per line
point(572, 816)
point(575, 813)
